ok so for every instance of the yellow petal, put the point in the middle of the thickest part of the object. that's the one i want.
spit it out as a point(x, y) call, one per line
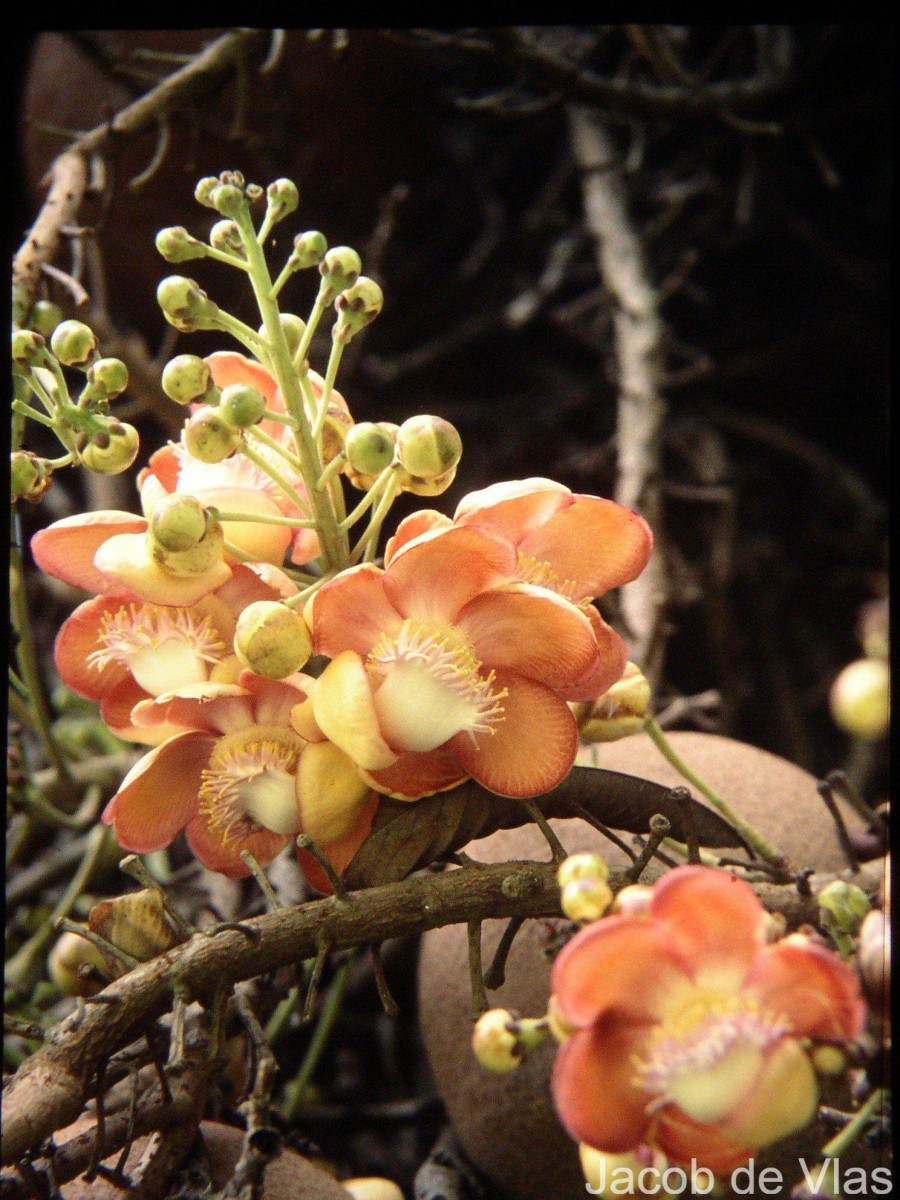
point(332, 794)
point(345, 712)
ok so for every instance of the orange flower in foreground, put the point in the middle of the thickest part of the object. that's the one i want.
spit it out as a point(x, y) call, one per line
point(240, 778)
point(687, 1025)
point(443, 668)
point(118, 650)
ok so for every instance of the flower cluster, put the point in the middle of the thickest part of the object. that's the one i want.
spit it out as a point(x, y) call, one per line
point(468, 653)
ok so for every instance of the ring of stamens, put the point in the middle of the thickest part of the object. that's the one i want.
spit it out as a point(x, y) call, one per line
point(432, 686)
point(158, 644)
point(251, 782)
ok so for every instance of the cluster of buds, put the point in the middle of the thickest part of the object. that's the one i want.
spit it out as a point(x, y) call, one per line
point(585, 894)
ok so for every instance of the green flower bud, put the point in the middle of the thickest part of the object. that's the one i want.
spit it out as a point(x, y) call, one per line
point(74, 344)
point(369, 448)
point(185, 305)
point(294, 328)
point(242, 405)
point(585, 899)
point(843, 906)
point(112, 450)
point(582, 866)
point(178, 522)
point(253, 192)
point(176, 245)
point(426, 487)
point(226, 236)
point(204, 190)
point(283, 198)
point(357, 307)
point(338, 423)
point(29, 476)
point(861, 698)
point(209, 438)
point(186, 378)
point(309, 249)
point(196, 560)
point(107, 378)
point(45, 316)
point(227, 199)
point(272, 640)
point(28, 347)
point(340, 269)
point(428, 447)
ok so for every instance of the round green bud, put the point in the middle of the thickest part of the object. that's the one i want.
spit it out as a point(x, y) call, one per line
point(227, 199)
point(29, 476)
point(45, 316)
point(426, 487)
point(369, 448)
point(283, 197)
point(108, 377)
point(309, 248)
point(242, 405)
point(860, 698)
point(74, 344)
point(185, 305)
point(186, 378)
point(225, 236)
point(198, 558)
point(178, 522)
point(204, 190)
point(340, 269)
point(176, 245)
point(428, 447)
point(357, 307)
point(112, 450)
point(28, 347)
point(843, 905)
point(272, 640)
point(209, 438)
point(294, 328)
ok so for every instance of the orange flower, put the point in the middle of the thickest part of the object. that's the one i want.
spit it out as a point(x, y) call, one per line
point(117, 650)
point(444, 668)
point(240, 778)
point(687, 1025)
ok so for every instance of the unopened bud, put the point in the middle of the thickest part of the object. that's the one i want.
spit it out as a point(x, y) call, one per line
point(44, 317)
point(309, 249)
point(29, 476)
point(585, 899)
point(426, 487)
point(633, 900)
point(178, 522)
point(74, 344)
point(495, 1041)
point(198, 558)
point(204, 190)
point(874, 960)
point(135, 923)
point(620, 711)
point(582, 866)
point(227, 199)
point(185, 305)
point(340, 269)
point(186, 378)
point(428, 447)
point(226, 236)
point(369, 448)
point(107, 377)
point(357, 307)
point(209, 438)
point(828, 1060)
point(76, 966)
point(843, 906)
point(272, 640)
point(282, 197)
point(242, 405)
point(176, 245)
point(294, 328)
point(28, 347)
point(113, 450)
point(860, 698)
point(372, 1187)
point(338, 423)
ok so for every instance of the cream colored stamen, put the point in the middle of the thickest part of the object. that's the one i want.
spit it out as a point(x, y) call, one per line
point(251, 782)
point(163, 648)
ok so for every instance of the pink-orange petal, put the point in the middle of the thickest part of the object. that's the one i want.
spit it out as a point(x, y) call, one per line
point(339, 853)
point(716, 918)
point(208, 846)
point(273, 699)
point(595, 543)
point(163, 464)
point(682, 1139)
point(158, 796)
point(593, 1086)
point(533, 632)
point(211, 707)
point(66, 549)
point(228, 367)
point(418, 773)
point(439, 572)
point(817, 992)
point(531, 750)
point(117, 708)
point(78, 638)
point(625, 965)
point(351, 612)
point(612, 657)
point(413, 526)
point(513, 507)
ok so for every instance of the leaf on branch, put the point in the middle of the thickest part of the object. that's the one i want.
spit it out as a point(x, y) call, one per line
point(406, 837)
